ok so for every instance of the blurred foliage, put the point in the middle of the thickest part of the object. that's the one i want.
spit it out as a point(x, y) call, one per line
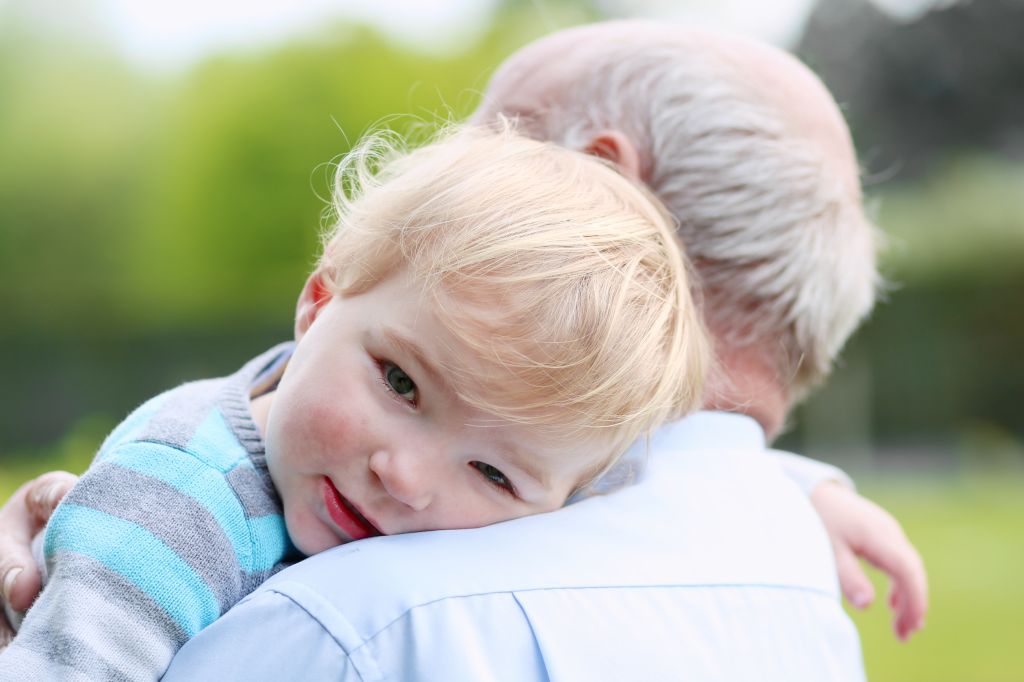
point(194, 202)
point(969, 532)
point(74, 129)
point(157, 228)
point(72, 452)
point(939, 359)
point(917, 91)
point(963, 223)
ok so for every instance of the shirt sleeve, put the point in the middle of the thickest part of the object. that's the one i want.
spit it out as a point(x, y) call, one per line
point(268, 636)
point(808, 473)
point(142, 554)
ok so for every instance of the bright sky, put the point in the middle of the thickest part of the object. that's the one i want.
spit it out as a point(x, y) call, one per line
point(165, 34)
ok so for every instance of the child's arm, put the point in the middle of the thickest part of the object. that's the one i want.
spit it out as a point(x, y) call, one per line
point(810, 473)
point(858, 527)
point(151, 546)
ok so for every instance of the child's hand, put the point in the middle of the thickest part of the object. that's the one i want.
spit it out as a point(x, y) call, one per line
point(860, 528)
point(21, 518)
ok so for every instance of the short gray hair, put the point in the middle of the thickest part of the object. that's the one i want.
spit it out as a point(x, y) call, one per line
point(784, 256)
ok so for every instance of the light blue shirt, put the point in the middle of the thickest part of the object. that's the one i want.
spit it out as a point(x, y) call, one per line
point(711, 566)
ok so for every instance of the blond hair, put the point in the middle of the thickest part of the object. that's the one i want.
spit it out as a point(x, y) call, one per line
point(563, 278)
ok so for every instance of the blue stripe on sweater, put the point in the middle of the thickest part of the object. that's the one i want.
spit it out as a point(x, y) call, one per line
point(218, 443)
point(131, 425)
point(140, 557)
point(272, 541)
point(197, 480)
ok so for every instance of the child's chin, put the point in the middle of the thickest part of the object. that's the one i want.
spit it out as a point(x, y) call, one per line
point(311, 546)
point(313, 538)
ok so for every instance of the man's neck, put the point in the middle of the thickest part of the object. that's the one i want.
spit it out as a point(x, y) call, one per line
point(744, 382)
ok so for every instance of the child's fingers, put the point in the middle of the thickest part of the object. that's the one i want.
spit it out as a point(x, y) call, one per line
point(908, 596)
point(854, 582)
point(910, 611)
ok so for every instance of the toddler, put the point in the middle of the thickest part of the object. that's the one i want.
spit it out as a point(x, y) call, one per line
point(493, 321)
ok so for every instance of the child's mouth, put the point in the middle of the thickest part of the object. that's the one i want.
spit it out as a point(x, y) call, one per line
point(345, 515)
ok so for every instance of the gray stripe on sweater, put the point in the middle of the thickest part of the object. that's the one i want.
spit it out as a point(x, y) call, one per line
point(20, 664)
point(52, 655)
point(180, 522)
point(180, 414)
point(88, 603)
point(255, 490)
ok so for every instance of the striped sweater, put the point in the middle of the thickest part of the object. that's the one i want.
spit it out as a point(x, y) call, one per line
point(174, 522)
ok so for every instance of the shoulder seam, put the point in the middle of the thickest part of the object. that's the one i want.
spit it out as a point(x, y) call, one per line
point(513, 593)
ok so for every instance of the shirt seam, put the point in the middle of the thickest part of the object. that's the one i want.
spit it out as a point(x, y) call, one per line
point(536, 639)
point(327, 631)
point(514, 592)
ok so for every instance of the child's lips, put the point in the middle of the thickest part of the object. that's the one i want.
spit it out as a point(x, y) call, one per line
point(345, 515)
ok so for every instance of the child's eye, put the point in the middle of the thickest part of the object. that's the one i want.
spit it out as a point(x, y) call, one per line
point(399, 382)
point(494, 476)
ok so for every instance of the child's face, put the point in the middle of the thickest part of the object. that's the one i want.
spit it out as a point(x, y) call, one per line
point(364, 437)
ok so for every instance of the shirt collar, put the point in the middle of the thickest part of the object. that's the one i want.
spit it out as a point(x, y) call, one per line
point(721, 430)
point(699, 431)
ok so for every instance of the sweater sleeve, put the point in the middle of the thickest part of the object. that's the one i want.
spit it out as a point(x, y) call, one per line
point(142, 554)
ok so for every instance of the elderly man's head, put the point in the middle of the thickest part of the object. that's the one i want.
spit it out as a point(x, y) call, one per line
point(749, 152)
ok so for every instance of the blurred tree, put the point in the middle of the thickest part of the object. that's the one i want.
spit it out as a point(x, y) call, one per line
point(937, 110)
point(154, 229)
point(75, 127)
point(233, 203)
point(914, 92)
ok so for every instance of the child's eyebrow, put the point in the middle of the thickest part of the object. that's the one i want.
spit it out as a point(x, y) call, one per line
point(408, 347)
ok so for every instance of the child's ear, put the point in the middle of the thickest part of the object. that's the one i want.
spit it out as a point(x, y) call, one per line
point(314, 296)
point(615, 146)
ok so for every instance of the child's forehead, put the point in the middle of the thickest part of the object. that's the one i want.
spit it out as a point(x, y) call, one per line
point(468, 378)
point(477, 352)
point(482, 346)
point(450, 335)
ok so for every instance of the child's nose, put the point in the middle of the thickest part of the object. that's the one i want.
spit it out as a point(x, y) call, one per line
point(404, 475)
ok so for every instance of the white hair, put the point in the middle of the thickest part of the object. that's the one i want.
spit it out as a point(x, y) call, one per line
point(784, 256)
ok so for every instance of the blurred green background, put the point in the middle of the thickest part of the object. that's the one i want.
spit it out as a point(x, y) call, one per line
point(156, 226)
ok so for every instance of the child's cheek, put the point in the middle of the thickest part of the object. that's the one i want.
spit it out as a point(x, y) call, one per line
point(332, 430)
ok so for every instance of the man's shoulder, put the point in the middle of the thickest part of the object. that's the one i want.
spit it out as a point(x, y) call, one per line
point(709, 555)
point(694, 518)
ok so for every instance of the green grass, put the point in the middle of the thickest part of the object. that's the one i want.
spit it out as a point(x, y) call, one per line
point(72, 453)
point(970, 531)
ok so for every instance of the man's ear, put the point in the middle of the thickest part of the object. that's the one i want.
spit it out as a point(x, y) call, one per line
point(314, 296)
point(616, 147)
